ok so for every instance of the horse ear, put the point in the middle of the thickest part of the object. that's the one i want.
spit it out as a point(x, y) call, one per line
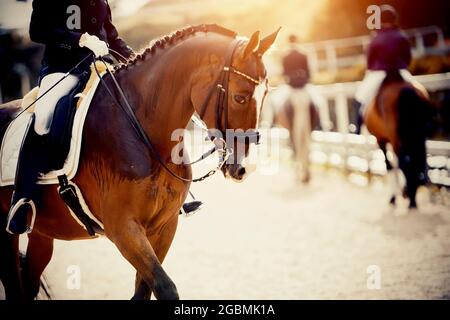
point(253, 45)
point(267, 42)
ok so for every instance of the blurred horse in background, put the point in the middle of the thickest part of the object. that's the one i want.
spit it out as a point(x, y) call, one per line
point(401, 115)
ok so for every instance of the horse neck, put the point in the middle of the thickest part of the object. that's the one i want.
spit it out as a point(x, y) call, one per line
point(162, 88)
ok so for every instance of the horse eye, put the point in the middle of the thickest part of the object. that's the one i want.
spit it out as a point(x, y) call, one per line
point(240, 99)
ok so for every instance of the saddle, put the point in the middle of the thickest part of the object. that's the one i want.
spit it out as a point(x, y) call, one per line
point(64, 138)
point(63, 145)
point(391, 77)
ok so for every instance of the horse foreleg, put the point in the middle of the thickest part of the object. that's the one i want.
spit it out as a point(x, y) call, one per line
point(39, 254)
point(10, 264)
point(131, 240)
point(141, 290)
point(412, 184)
point(392, 174)
point(161, 244)
point(303, 154)
point(301, 133)
point(411, 190)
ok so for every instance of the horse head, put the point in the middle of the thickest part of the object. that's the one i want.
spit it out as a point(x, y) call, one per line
point(233, 103)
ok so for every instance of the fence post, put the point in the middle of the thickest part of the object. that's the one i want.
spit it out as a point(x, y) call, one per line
point(440, 39)
point(342, 113)
point(313, 61)
point(420, 45)
point(331, 58)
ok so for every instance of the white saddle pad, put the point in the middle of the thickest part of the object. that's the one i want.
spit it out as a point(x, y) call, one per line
point(13, 137)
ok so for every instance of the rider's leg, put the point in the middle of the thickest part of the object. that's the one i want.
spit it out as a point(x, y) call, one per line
point(45, 107)
point(32, 153)
point(365, 93)
point(408, 77)
point(21, 214)
point(301, 131)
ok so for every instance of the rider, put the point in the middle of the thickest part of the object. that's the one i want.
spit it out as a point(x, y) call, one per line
point(389, 51)
point(296, 72)
point(70, 30)
point(295, 65)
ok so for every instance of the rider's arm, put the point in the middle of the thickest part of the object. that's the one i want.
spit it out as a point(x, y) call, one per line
point(42, 30)
point(115, 42)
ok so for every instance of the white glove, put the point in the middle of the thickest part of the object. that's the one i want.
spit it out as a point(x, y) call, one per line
point(93, 43)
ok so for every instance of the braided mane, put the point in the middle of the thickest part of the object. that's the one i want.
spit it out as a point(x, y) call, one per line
point(171, 39)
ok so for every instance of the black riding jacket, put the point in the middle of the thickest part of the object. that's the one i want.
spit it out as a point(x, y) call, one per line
point(389, 50)
point(295, 68)
point(59, 25)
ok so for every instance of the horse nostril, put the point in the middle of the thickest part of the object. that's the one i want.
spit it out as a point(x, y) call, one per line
point(241, 171)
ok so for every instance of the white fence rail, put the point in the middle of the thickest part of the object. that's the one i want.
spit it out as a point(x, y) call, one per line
point(360, 153)
point(324, 55)
point(339, 95)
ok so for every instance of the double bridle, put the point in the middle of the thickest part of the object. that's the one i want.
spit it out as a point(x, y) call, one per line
point(221, 85)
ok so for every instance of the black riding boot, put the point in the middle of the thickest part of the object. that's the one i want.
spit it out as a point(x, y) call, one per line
point(191, 207)
point(23, 211)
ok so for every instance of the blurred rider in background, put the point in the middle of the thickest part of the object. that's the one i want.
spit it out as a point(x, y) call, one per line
point(297, 76)
point(389, 51)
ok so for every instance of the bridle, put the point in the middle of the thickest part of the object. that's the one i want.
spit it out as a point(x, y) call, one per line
point(221, 86)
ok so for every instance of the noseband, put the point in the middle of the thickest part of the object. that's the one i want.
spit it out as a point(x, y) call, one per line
point(222, 87)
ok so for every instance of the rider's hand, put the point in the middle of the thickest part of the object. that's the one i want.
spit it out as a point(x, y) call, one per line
point(93, 43)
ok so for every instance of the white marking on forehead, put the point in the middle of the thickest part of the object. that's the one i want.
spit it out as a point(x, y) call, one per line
point(258, 95)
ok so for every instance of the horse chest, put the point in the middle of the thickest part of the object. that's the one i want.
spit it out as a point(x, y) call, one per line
point(164, 191)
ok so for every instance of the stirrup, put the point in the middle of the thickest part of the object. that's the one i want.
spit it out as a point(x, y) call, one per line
point(13, 211)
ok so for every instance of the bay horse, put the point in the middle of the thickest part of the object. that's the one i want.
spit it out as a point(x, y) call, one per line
point(136, 197)
point(401, 116)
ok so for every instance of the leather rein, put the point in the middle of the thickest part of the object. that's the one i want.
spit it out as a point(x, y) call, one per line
point(221, 86)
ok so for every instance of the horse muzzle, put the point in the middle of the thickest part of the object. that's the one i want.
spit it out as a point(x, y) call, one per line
point(237, 172)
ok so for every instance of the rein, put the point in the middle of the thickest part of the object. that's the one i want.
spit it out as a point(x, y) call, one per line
point(140, 131)
point(221, 86)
